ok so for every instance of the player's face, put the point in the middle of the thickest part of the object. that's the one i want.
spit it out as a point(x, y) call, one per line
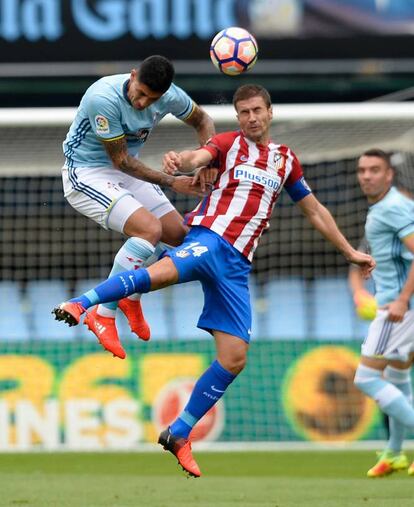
point(374, 176)
point(139, 94)
point(254, 119)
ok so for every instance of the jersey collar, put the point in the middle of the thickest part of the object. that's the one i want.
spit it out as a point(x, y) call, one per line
point(125, 92)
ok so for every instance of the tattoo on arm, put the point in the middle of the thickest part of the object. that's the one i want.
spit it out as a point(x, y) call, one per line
point(118, 152)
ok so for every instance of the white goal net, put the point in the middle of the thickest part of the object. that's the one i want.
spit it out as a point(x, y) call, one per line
point(305, 329)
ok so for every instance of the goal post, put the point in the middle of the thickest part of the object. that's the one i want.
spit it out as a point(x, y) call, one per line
point(59, 390)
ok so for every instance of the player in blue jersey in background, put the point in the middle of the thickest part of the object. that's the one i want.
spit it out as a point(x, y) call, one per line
point(388, 350)
point(104, 180)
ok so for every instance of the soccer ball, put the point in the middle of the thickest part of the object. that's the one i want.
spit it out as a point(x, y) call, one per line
point(233, 51)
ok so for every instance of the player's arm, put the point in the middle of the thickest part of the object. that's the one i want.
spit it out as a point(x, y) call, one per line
point(365, 304)
point(397, 308)
point(186, 161)
point(118, 152)
point(202, 124)
point(322, 220)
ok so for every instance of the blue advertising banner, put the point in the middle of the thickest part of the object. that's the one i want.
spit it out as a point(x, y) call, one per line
point(126, 30)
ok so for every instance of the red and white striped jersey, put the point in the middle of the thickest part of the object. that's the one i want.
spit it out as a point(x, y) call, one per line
point(251, 177)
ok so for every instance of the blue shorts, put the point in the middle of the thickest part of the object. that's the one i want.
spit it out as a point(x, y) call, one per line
point(223, 272)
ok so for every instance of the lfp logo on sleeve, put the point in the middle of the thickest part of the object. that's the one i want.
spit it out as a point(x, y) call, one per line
point(102, 124)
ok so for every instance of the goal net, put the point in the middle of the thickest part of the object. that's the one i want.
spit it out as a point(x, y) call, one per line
point(59, 389)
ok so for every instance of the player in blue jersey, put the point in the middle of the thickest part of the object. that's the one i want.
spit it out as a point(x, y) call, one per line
point(104, 179)
point(225, 230)
point(388, 351)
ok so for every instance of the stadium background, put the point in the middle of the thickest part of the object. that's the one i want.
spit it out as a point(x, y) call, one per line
point(57, 389)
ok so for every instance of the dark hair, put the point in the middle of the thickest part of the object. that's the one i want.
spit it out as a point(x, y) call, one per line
point(376, 152)
point(248, 91)
point(156, 72)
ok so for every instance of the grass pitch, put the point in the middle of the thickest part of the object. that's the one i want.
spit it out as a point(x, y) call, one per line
point(242, 479)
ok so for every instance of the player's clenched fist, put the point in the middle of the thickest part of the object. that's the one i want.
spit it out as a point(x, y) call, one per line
point(171, 162)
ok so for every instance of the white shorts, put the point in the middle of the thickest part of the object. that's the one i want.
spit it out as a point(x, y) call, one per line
point(109, 197)
point(390, 340)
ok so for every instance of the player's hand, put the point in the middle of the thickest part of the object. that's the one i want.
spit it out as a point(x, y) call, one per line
point(365, 262)
point(184, 185)
point(205, 177)
point(396, 310)
point(171, 162)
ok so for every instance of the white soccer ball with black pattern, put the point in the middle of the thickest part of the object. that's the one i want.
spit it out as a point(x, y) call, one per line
point(233, 51)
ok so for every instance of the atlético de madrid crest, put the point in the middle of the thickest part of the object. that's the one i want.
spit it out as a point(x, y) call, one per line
point(279, 160)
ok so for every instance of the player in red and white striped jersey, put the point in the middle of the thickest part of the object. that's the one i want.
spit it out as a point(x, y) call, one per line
point(250, 179)
point(224, 231)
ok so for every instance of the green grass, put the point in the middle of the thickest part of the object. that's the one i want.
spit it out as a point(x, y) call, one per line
point(248, 479)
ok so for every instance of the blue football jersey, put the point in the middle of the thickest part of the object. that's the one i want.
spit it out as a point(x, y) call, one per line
point(388, 222)
point(105, 113)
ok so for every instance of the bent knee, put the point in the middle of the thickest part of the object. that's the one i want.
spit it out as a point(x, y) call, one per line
point(149, 230)
point(235, 364)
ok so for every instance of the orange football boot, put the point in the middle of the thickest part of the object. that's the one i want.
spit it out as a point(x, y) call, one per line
point(382, 468)
point(132, 310)
point(105, 330)
point(69, 312)
point(181, 448)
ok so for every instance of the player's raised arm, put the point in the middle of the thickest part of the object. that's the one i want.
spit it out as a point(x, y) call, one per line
point(202, 123)
point(322, 220)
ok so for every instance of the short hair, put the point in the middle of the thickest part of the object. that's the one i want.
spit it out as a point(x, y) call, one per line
point(248, 91)
point(376, 152)
point(156, 72)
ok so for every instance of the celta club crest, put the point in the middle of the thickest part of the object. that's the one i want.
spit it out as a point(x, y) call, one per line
point(135, 261)
point(142, 135)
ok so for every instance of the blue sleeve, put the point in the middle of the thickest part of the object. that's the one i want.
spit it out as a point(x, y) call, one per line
point(298, 190)
point(180, 104)
point(104, 117)
point(400, 217)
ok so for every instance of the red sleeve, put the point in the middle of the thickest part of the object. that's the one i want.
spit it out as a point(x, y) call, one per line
point(297, 172)
point(219, 145)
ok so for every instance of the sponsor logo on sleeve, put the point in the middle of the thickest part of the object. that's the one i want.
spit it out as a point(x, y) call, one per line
point(101, 124)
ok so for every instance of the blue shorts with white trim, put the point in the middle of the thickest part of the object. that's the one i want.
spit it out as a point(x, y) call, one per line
point(223, 272)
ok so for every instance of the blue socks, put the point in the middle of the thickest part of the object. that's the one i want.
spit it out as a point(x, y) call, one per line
point(116, 287)
point(209, 388)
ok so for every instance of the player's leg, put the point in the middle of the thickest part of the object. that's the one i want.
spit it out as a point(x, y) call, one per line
point(227, 315)
point(144, 231)
point(161, 274)
point(165, 223)
point(100, 194)
point(207, 391)
point(210, 387)
point(398, 373)
point(391, 459)
point(387, 343)
point(173, 228)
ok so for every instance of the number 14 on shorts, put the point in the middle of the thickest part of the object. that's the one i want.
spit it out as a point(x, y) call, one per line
point(194, 249)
